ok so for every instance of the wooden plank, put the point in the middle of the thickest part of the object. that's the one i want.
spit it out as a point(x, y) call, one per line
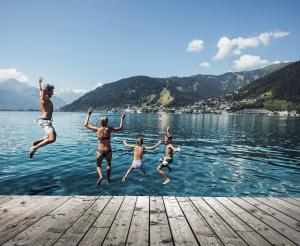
point(4, 199)
point(139, 229)
point(239, 226)
point(292, 201)
point(263, 229)
point(48, 229)
point(225, 233)
point(160, 233)
point(26, 212)
point(118, 232)
point(96, 234)
point(275, 213)
point(82, 225)
point(285, 230)
point(181, 231)
point(201, 229)
point(295, 210)
point(17, 206)
point(280, 207)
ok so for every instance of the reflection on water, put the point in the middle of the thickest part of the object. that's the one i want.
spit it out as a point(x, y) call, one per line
point(222, 155)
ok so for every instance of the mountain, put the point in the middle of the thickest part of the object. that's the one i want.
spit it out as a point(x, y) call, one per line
point(70, 95)
point(277, 91)
point(172, 91)
point(15, 95)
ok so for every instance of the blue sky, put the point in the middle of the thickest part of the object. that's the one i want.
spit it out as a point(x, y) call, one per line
point(76, 44)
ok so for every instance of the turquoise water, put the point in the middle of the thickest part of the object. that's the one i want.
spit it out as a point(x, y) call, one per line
point(222, 155)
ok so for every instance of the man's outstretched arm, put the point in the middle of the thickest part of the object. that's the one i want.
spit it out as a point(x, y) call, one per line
point(40, 88)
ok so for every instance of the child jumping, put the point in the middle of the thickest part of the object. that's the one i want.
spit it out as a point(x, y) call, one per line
point(168, 159)
point(137, 155)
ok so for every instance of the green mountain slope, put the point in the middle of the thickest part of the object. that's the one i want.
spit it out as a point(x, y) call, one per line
point(172, 91)
point(279, 90)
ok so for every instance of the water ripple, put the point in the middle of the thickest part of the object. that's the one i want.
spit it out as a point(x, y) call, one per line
point(222, 155)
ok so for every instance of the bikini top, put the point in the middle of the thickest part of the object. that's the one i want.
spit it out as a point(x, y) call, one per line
point(104, 130)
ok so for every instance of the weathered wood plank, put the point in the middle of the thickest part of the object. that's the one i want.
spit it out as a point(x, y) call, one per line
point(263, 229)
point(4, 199)
point(239, 226)
point(201, 229)
point(283, 229)
point(96, 234)
point(139, 229)
point(275, 213)
point(118, 232)
point(48, 229)
point(225, 233)
point(17, 206)
point(280, 207)
point(82, 225)
point(48, 220)
point(292, 201)
point(160, 233)
point(25, 213)
point(181, 231)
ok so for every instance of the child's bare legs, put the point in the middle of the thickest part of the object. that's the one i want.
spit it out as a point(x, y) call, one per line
point(127, 173)
point(170, 169)
point(143, 170)
point(160, 171)
point(99, 169)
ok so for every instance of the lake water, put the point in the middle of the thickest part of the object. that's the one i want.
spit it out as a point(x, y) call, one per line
point(222, 155)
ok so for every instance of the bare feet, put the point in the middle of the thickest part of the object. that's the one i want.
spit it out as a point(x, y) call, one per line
point(31, 151)
point(124, 179)
point(99, 181)
point(166, 181)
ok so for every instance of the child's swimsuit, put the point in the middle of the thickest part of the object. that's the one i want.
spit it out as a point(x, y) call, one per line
point(136, 163)
point(166, 161)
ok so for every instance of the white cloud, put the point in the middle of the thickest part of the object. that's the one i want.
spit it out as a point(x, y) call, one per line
point(235, 46)
point(249, 61)
point(195, 46)
point(277, 62)
point(12, 73)
point(204, 64)
point(71, 90)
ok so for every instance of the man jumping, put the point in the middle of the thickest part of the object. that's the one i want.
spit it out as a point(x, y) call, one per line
point(45, 121)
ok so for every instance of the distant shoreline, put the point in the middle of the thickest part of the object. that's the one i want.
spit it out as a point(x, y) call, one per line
point(239, 112)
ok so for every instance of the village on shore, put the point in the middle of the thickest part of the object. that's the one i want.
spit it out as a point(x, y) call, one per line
point(208, 106)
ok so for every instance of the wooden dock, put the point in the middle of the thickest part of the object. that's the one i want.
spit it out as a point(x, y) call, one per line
point(144, 220)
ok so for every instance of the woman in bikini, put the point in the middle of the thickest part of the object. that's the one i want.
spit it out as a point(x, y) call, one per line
point(104, 146)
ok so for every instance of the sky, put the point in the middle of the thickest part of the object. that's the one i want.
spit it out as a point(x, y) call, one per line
point(81, 44)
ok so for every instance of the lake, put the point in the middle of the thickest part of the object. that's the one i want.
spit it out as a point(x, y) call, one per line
point(222, 155)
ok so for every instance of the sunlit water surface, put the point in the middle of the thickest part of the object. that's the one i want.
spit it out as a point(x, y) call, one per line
point(222, 155)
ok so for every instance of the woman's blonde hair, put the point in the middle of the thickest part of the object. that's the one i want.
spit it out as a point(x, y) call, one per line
point(104, 121)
